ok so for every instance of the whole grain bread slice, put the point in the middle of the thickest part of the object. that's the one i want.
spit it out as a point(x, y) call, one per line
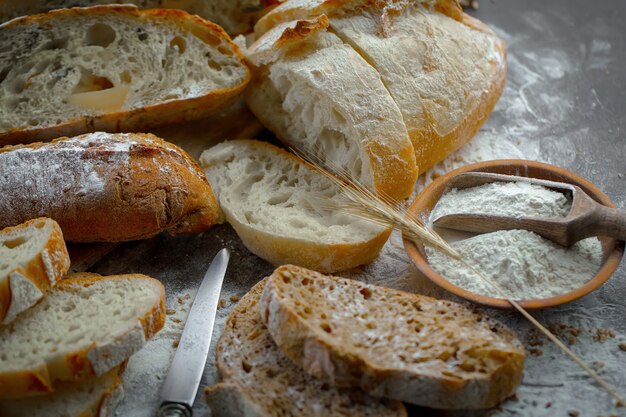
point(112, 68)
point(96, 397)
point(258, 380)
point(84, 327)
point(391, 343)
point(275, 202)
point(33, 258)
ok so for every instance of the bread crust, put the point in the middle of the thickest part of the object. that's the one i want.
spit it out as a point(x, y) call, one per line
point(337, 364)
point(43, 271)
point(81, 365)
point(142, 186)
point(142, 118)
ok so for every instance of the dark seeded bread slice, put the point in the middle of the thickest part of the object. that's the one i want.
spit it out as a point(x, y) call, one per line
point(391, 343)
point(259, 381)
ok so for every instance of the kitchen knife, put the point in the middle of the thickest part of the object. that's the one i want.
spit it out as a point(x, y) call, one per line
point(183, 378)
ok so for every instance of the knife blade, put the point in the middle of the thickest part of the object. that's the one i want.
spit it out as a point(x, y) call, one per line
point(183, 378)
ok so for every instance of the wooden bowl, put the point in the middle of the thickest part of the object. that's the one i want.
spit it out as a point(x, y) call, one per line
point(612, 249)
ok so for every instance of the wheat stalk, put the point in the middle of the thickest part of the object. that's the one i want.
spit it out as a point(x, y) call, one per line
point(383, 210)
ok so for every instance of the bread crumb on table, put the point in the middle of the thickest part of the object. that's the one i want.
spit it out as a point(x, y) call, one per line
point(234, 298)
point(535, 352)
point(222, 303)
point(602, 335)
point(622, 346)
point(170, 311)
point(573, 413)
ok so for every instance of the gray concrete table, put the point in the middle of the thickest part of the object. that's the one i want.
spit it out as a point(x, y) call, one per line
point(564, 103)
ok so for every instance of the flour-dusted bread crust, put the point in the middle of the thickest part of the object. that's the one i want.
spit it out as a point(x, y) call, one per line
point(275, 202)
point(104, 187)
point(390, 343)
point(444, 69)
point(112, 68)
point(96, 397)
point(235, 16)
point(33, 258)
point(316, 93)
point(84, 327)
point(258, 380)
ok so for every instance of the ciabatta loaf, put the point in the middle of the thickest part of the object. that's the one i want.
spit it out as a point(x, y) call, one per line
point(275, 202)
point(33, 257)
point(316, 93)
point(106, 187)
point(96, 397)
point(258, 380)
point(392, 344)
point(84, 327)
point(235, 16)
point(112, 68)
point(444, 69)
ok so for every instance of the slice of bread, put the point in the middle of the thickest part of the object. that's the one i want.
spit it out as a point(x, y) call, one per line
point(390, 343)
point(106, 187)
point(96, 397)
point(112, 68)
point(235, 16)
point(258, 380)
point(33, 257)
point(274, 201)
point(84, 327)
point(444, 69)
point(317, 94)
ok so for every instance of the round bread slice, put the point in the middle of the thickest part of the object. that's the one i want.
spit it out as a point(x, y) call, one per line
point(275, 202)
point(112, 68)
point(33, 257)
point(92, 398)
point(258, 380)
point(83, 328)
point(390, 343)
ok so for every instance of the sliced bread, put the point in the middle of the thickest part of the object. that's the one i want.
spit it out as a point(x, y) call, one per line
point(390, 343)
point(444, 69)
point(106, 187)
point(275, 202)
point(317, 94)
point(258, 380)
point(33, 257)
point(235, 16)
point(112, 68)
point(96, 397)
point(84, 327)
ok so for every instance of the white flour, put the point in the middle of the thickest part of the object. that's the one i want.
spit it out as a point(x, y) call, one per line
point(523, 264)
point(515, 199)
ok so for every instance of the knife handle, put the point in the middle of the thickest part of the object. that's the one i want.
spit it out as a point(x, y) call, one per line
point(174, 410)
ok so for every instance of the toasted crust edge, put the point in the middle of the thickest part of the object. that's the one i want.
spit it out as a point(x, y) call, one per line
point(295, 337)
point(144, 117)
point(77, 366)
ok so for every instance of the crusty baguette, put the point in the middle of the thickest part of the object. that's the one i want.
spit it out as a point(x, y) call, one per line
point(272, 199)
point(443, 68)
point(96, 397)
point(258, 380)
point(84, 327)
point(235, 16)
point(319, 95)
point(112, 68)
point(33, 257)
point(390, 343)
point(106, 187)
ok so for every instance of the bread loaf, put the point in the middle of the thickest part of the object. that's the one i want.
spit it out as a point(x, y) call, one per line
point(112, 68)
point(83, 328)
point(316, 93)
point(106, 187)
point(235, 16)
point(258, 380)
point(444, 69)
point(33, 258)
point(274, 201)
point(96, 397)
point(390, 343)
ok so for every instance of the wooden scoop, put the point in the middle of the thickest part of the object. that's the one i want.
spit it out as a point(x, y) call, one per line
point(586, 217)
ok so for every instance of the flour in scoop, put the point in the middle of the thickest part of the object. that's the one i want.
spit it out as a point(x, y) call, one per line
point(523, 264)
